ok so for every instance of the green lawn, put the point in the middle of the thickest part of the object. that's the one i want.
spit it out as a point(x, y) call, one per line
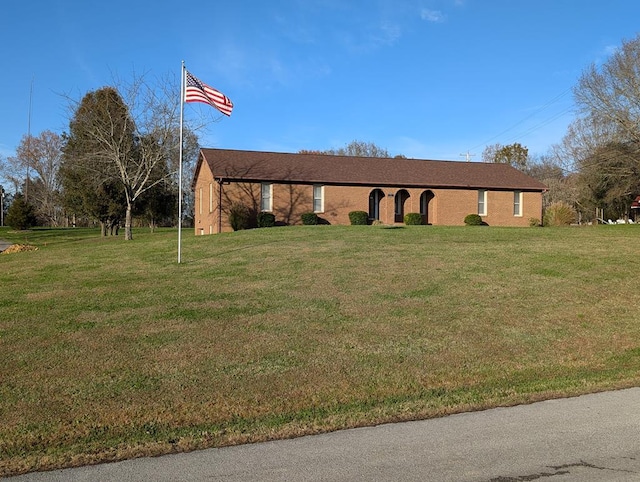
point(111, 349)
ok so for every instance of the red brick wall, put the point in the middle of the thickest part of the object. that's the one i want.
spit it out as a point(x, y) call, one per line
point(206, 202)
point(448, 206)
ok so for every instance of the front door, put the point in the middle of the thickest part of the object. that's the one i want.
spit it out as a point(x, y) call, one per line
point(401, 198)
point(374, 203)
point(425, 199)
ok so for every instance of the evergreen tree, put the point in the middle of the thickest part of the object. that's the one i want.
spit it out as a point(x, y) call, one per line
point(21, 214)
point(89, 178)
point(125, 137)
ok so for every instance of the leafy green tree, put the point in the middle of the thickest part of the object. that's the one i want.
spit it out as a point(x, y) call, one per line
point(89, 178)
point(158, 205)
point(20, 214)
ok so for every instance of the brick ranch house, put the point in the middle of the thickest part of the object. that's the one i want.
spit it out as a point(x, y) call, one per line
point(288, 185)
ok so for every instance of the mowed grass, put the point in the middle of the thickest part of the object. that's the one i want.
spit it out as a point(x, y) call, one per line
point(111, 349)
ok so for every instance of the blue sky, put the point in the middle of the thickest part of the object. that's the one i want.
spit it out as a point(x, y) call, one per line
point(428, 79)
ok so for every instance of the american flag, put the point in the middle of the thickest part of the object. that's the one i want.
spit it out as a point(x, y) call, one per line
point(197, 91)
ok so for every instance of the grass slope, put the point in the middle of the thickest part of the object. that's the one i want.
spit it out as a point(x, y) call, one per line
point(110, 349)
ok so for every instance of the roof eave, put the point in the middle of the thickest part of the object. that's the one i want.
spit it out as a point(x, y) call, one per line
point(380, 184)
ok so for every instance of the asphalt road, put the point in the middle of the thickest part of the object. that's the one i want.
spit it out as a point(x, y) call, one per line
point(589, 438)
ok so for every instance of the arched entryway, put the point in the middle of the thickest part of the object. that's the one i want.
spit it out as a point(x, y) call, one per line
point(425, 199)
point(401, 198)
point(375, 197)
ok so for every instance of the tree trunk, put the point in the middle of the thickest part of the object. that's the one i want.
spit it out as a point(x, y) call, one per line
point(103, 229)
point(128, 233)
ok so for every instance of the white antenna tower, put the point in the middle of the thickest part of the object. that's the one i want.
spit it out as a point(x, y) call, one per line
point(26, 186)
point(468, 156)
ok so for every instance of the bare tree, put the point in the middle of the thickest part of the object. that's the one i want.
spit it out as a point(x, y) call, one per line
point(41, 156)
point(190, 153)
point(490, 152)
point(515, 155)
point(155, 113)
point(136, 132)
point(603, 144)
point(356, 149)
point(15, 172)
point(610, 93)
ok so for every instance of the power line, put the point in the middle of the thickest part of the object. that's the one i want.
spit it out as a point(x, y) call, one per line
point(537, 126)
point(540, 125)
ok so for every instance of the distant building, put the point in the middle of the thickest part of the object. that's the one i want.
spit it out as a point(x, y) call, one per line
point(288, 185)
point(635, 207)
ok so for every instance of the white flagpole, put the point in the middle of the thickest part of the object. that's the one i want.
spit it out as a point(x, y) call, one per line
point(180, 165)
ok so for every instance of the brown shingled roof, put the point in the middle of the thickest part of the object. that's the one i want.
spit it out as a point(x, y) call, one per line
point(255, 166)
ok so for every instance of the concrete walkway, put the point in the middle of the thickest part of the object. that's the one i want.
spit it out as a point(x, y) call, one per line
point(4, 245)
point(589, 438)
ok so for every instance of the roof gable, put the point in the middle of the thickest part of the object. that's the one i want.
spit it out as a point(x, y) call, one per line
point(256, 166)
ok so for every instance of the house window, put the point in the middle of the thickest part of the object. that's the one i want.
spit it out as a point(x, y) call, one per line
point(482, 202)
point(266, 195)
point(200, 201)
point(210, 197)
point(517, 203)
point(318, 198)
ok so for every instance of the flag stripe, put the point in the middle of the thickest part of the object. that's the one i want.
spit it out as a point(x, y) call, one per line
point(198, 91)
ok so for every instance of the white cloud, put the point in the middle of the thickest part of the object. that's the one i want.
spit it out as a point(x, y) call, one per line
point(434, 16)
point(605, 53)
point(390, 32)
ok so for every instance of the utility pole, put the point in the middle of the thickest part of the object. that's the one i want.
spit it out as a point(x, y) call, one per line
point(468, 156)
point(1, 206)
point(26, 187)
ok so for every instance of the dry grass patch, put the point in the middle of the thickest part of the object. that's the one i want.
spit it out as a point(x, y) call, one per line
point(18, 248)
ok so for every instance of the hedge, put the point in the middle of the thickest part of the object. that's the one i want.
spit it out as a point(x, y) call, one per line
point(359, 217)
point(414, 219)
point(309, 218)
point(473, 220)
point(266, 220)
